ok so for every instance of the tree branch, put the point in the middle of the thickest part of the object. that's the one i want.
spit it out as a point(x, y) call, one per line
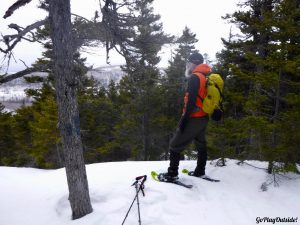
point(85, 19)
point(12, 40)
point(15, 6)
point(24, 63)
point(4, 79)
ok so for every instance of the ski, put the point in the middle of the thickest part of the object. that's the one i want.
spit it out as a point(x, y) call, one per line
point(185, 171)
point(155, 175)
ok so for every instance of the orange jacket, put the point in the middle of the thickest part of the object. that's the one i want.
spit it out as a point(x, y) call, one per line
point(200, 71)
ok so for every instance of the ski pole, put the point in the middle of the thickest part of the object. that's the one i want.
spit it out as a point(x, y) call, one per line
point(138, 203)
point(141, 188)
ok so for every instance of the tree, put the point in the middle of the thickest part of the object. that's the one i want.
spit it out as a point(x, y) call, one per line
point(99, 114)
point(141, 82)
point(262, 63)
point(174, 81)
point(64, 46)
point(46, 144)
point(285, 62)
point(7, 141)
point(68, 114)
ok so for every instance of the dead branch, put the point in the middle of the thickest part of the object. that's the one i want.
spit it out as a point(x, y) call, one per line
point(7, 78)
point(15, 6)
point(12, 40)
point(4, 79)
point(81, 17)
point(24, 63)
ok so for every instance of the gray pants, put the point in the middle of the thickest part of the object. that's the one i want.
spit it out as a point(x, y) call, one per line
point(194, 131)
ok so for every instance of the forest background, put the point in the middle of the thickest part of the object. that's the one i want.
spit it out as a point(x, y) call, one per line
point(135, 118)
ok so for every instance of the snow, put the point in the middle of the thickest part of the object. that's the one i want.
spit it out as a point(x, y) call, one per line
point(13, 96)
point(105, 74)
point(40, 197)
point(12, 93)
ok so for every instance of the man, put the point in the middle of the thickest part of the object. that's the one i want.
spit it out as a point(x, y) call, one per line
point(193, 122)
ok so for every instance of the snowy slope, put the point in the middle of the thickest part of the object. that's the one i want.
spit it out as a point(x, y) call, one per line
point(105, 74)
point(40, 197)
point(12, 93)
point(15, 90)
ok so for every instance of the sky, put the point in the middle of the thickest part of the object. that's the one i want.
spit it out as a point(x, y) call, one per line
point(202, 17)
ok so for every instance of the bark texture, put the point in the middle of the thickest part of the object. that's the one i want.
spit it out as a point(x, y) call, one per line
point(65, 85)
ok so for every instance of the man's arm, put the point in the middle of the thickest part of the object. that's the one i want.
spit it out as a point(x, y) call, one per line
point(192, 90)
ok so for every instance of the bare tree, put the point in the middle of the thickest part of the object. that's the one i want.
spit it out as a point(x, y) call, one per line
point(116, 30)
point(69, 123)
point(65, 86)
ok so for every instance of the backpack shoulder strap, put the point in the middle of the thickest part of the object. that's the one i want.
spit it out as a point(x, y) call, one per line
point(202, 80)
point(221, 94)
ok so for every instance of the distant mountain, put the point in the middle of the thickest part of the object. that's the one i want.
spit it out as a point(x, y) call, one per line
point(12, 94)
point(105, 74)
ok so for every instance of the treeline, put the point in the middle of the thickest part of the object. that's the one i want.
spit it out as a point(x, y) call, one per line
point(135, 118)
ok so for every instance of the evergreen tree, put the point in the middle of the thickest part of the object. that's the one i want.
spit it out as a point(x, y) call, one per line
point(23, 137)
point(175, 78)
point(7, 141)
point(174, 82)
point(141, 82)
point(99, 114)
point(46, 145)
point(284, 62)
point(262, 64)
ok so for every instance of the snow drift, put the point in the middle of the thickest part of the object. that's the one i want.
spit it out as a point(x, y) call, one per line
point(40, 197)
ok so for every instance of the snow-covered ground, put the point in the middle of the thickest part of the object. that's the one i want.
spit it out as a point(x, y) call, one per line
point(40, 197)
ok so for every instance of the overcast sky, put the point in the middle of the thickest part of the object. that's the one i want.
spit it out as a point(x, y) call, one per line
point(203, 17)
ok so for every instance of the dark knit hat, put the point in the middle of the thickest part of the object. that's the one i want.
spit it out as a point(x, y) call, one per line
point(196, 58)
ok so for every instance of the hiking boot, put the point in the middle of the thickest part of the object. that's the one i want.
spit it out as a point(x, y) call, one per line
point(170, 176)
point(197, 174)
point(167, 177)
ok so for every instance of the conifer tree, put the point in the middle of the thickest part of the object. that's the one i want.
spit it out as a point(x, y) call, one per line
point(174, 82)
point(175, 79)
point(46, 145)
point(142, 79)
point(7, 141)
point(263, 66)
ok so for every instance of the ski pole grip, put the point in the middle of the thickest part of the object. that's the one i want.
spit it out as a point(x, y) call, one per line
point(141, 177)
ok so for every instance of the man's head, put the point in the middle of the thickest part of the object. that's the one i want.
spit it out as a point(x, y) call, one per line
point(196, 58)
point(193, 60)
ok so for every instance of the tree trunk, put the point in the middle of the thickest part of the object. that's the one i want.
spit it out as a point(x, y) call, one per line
point(146, 137)
point(276, 109)
point(60, 27)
